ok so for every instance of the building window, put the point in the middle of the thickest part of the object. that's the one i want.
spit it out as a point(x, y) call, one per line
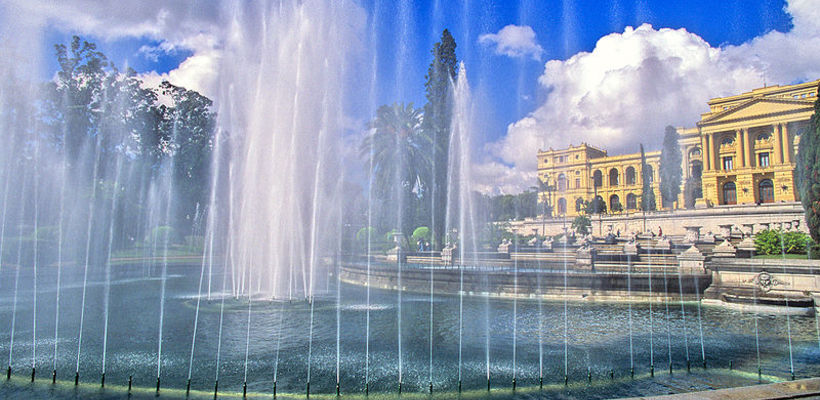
point(597, 178)
point(766, 189)
point(728, 140)
point(579, 204)
point(727, 163)
point(562, 206)
point(764, 137)
point(613, 177)
point(562, 183)
point(696, 169)
point(729, 193)
point(630, 176)
point(695, 152)
point(631, 202)
point(614, 203)
point(577, 183)
point(763, 159)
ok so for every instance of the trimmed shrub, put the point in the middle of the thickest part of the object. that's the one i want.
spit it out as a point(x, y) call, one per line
point(774, 241)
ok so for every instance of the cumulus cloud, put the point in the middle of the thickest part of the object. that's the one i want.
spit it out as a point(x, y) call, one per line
point(513, 41)
point(634, 83)
point(175, 24)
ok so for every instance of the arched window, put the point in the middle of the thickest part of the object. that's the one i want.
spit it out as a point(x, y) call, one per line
point(631, 201)
point(764, 136)
point(729, 193)
point(597, 178)
point(613, 177)
point(562, 183)
point(766, 189)
point(696, 169)
point(579, 204)
point(614, 203)
point(695, 152)
point(562, 206)
point(727, 140)
point(630, 175)
point(650, 173)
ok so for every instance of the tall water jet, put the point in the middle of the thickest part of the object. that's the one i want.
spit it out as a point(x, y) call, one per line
point(283, 158)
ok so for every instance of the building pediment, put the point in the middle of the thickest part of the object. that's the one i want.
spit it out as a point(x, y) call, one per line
point(758, 108)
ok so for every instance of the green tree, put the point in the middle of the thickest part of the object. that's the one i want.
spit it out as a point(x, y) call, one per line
point(437, 123)
point(581, 225)
point(808, 172)
point(647, 194)
point(401, 161)
point(671, 173)
point(595, 206)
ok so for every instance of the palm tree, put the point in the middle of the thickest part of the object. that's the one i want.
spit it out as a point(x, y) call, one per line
point(398, 154)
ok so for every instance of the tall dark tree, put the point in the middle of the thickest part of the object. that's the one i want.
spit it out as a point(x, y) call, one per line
point(808, 172)
point(437, 123)
point(671, 173)
point(647, 194)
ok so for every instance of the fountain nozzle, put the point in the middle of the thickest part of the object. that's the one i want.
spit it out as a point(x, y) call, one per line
point(459, 386)
point(566, 380)
point(652, 370)
point(216, 387)
point(338, 389)
point(274, 389)
point(488, 383)
point(399, 387)
point(307, 389)
point(513, 384)
point(8, 373)
point(157, 384)
point(102, 380)
point(130, 380)
point(366, 388)
point(188, 388)
point(244, 389)
point(687, 366)
point(53, 376)
point(76, 378)
point(589, 376)
point(431, 387)
point(632, 373)
point(541, 382)
point(32, 374)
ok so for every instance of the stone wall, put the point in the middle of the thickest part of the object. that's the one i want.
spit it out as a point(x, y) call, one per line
point(791, 215)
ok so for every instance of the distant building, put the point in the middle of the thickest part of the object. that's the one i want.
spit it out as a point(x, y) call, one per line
point(740, 152)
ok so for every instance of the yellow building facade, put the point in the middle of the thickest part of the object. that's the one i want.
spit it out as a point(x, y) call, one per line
point(740, 152)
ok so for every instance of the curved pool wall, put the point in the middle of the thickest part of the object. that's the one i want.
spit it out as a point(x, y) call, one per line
point(530, 281)
point(595, 345)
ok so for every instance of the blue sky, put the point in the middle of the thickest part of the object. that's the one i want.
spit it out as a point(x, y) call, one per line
point(565, 85)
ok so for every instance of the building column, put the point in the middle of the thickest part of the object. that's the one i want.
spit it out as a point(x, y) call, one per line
point(750, 161)
point(787, 145)
point(715, 149)
point(741, 162)
point(704, 152)
point(778, 158)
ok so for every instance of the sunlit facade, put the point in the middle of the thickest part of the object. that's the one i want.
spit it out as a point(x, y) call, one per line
point(741, 152)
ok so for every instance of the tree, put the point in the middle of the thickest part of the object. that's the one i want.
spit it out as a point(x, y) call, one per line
point(671, 172)
point(581, 225)
point(647, 194)
point(401, 162)
point(595, 206)
point(437, 123)
point(808, 172)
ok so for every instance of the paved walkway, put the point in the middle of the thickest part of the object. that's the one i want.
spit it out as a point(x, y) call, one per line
point(800, 389)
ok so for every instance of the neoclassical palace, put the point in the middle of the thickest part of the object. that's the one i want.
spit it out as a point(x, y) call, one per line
point(740, 152)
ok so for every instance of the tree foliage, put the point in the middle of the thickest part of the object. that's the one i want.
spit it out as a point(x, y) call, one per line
point(581, 225)
point(647, 194)
point(437, 122)
point(775, 241)
point(808, 172)
point(671, 173)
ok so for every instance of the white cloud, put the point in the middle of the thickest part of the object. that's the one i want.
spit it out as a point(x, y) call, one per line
point(636, 82)
point(513, 41)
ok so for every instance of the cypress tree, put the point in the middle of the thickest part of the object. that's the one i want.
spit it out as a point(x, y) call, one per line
point(647, 195)
point(437, 123)
point(808, 172)
point(671, 172)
